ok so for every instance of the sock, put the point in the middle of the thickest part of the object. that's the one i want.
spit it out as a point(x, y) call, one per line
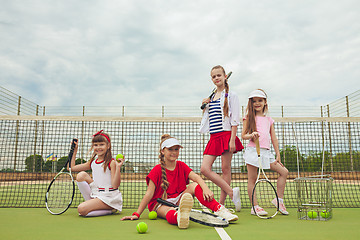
point(212, 205)
point(99, 213)
point(281, 200)
point(171, 217)
point(84, 189)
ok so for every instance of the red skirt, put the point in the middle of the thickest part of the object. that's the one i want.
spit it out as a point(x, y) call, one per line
point(219, 143)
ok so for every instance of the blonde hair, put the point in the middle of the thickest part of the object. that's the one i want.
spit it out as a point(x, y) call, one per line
point(226, 105)
point(164, 182)
point(250, 114)
point(108, 156)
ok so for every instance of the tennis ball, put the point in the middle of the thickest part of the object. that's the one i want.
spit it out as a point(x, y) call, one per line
point(312, 214)
point(325, 214)
point(152, 215)
point(119, 156)
point(142, 227)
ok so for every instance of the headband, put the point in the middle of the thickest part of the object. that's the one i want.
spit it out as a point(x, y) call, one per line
point(102, 134)
point(169, 143)
point(257, 93)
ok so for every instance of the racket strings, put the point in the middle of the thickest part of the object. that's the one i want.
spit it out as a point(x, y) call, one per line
point(60, 193)
point(265, 197)
point(207, 218)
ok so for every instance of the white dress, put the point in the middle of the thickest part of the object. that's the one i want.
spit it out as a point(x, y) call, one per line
point(101, 187)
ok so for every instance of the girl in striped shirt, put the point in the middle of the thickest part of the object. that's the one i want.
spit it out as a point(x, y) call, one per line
point(221, 118)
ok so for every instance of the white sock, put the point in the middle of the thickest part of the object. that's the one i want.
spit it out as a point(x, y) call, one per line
point(281, 200)
point(99, 213)
point(84, 189)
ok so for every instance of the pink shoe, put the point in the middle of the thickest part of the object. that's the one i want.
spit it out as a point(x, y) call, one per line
point(282, 207)
point(260, 211)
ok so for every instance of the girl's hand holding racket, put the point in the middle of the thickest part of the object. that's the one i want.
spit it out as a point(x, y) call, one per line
point(254, 136)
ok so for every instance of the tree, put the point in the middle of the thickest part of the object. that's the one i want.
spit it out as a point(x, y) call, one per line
point(29, 162)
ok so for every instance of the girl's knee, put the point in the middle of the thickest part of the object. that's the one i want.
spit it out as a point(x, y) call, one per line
point(81, 176)
point(204, 170)
point(82, 209)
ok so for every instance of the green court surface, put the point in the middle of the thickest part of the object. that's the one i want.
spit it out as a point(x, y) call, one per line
point(37, 223)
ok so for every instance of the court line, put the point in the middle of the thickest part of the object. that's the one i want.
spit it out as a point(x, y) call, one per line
point(221, 231)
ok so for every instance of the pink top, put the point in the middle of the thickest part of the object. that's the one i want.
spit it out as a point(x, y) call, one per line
point(263, 125)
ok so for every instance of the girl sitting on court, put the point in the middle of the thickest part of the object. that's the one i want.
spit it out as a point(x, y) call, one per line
point(258, 125)
point(169, 180)
point(101, 193)
point(221, 118)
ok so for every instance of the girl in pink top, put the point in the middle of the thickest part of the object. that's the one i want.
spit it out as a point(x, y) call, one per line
point(257, 125)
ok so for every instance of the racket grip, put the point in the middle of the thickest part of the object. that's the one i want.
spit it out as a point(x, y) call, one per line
point(257, 146)
point(203, 106)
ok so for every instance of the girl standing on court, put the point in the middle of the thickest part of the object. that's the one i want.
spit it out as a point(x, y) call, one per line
point(101, 192)
point(221, 118)
point(258, 125)
point(169, 180)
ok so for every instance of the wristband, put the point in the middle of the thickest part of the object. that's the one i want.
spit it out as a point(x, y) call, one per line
point(136, 214)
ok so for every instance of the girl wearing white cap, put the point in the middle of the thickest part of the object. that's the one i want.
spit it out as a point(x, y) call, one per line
point(169, 180)
point(221, 118)
point(258, 125)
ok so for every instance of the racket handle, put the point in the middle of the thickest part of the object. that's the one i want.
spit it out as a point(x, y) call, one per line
point(203, 106)
point(162, 201)
point(257, 146)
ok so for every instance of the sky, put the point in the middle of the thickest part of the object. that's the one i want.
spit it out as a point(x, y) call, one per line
point(155, 53)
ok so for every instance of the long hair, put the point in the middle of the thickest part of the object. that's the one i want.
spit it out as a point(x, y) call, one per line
point(250, 114)
point(164, 182)
point(226, 105)
point(108, 156)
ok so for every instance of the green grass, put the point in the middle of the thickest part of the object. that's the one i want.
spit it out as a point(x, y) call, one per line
point(37, 223)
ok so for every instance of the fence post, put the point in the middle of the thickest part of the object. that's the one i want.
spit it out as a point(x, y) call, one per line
point(35, 138)
point(330, 145)
point(17, 133)
point(283, 136)
point(349, 132)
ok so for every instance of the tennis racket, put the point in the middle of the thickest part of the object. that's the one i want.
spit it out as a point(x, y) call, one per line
point(214, 91)
point(61, 190)
point(264, 193)
point(201, 217)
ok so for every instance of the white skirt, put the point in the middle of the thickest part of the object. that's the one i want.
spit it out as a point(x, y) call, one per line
point(251, 157)
point(110, 198)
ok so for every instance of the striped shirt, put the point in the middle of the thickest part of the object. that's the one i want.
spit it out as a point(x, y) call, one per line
point(215, 117)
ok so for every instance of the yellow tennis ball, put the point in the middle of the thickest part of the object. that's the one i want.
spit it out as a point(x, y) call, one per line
point(119, 156)
point(312, 214)
point(142, 227)
point(325, 214)
point(152, 215)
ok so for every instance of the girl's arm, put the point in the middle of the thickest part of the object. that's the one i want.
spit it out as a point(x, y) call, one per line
point(144, 202)
point(232, 146)
point(79, 167)
point(208, 194)
point(116, 173)
point(275, 143)
point(247, 136)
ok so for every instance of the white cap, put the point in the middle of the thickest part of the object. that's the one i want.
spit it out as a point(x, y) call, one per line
point(257, 93)
point(168, 143)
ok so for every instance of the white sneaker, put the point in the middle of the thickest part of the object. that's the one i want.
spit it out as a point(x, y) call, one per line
point(183, 213)
point(236, 199)
point(259, 210)
point(282, 207)
point(225, 213)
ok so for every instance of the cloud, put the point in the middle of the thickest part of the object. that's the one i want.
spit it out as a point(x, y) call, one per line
point(98, 53)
